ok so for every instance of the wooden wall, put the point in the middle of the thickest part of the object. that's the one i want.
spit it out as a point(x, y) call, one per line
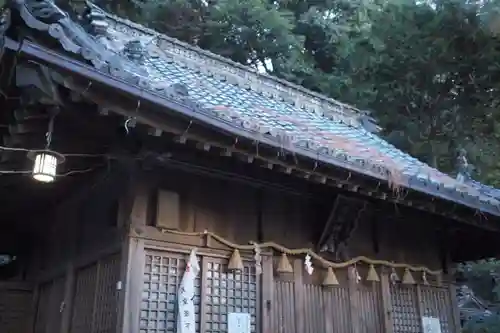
point(233, 210)
point(85, 251)
point(289, 304)
point(401, 239)
point(242, 213)
point(84, 223)
point(301, 305)
point(15, 307)
point(77, 266)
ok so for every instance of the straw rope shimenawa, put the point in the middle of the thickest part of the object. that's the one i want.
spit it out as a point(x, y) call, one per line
point(304, 251)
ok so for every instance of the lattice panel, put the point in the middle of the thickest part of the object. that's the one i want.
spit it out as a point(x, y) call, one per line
point(83, 310)
point(314, 308)
point(106, 302)
point(405, 309)
point(337, 300)
point(162, 276)
point(436, 302)
point(15, 309)
point(369, 304)
point(229, 292)
point(283, 317)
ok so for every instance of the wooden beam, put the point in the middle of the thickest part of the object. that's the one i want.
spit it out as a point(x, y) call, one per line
point(298, 285)
point(203, 293)
point(139, 213)
point(133, 286)
point(420, 305)
point(122, 299)
point(452, 290)
point(267, 295)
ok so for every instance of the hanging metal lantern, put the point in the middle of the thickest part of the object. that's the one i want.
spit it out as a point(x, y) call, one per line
point(45, 165)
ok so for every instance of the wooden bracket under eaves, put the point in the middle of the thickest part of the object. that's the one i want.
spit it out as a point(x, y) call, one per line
point(341, 223)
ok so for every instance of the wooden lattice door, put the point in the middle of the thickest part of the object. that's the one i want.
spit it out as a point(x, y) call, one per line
point(222, 292)
point(95, 297)
point(410, 303)
point(228, 292)
point(405, 314)
point(162, 275)
point(436, 302)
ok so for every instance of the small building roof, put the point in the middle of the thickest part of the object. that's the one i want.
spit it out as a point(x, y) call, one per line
point(238, 99)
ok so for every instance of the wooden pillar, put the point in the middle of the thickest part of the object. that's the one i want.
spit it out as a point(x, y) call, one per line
point(298, 287)
point(139, 210)
point(133, 286)
point(353, 303)
point(203, 294)
point(267, 292)
point(134, 214)
point(72, 233)
point(67, 306)
point(420, 306)
point(34, 306)
point(122, 295)
point(387, 320)
point(454, 307)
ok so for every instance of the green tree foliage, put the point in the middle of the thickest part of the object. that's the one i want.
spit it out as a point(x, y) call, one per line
point(429, 74)
point(483, 277)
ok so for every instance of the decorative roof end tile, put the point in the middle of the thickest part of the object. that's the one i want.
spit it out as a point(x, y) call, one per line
point(94, 19)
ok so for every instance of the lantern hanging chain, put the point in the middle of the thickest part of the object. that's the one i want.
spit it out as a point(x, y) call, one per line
point(307, 251)
point(48, 135)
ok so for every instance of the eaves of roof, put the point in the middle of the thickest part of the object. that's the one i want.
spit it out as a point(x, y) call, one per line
point(235, 99)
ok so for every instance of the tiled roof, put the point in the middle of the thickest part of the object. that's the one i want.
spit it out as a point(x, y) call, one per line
point(239, 97)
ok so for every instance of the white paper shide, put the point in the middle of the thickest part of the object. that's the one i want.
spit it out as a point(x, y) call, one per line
point(186, 319)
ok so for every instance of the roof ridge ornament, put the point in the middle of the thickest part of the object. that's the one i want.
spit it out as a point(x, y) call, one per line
point(135, 50)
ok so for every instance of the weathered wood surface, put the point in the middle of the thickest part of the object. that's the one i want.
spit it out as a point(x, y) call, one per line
point(83, 300)
point(238, 213)
point(284, 305)
point(241, 214)
point(16, 307)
